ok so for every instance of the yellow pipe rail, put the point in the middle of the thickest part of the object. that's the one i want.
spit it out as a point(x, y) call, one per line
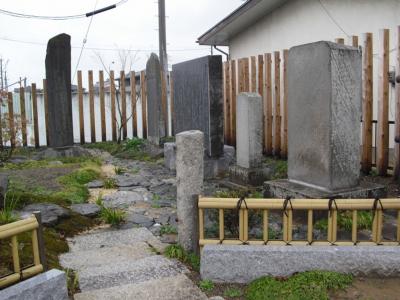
point(11, 231)
point(310, 205)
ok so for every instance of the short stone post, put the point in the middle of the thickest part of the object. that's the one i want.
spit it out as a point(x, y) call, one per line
point(189, 175)
point(58, 76)
point(249, 129)
point(155, 117)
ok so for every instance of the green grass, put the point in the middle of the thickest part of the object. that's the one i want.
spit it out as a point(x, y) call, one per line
point(168, 229)
point(279, 165)
point(237, 194)
point(345, 221)
point(9, 205)
point(119, 170)
point(312, 285)
point(109, 183)
point(206, 285)
point(233, 293)
point(114, 217)
point(177, 252)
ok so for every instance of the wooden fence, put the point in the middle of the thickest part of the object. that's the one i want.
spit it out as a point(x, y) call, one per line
point(267, 75)
point(121, 96)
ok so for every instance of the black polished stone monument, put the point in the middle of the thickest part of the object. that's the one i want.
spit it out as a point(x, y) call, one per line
point(58, 76)
point(198, 100)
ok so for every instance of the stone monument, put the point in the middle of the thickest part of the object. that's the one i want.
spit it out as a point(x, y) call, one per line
point(155, 117)
point(324, 112)
point(58, 76)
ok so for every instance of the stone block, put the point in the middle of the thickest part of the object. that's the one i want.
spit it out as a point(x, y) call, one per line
point(198, 100)
point(58, 76)
point(245, 263)
point(156, 125)
point(51, 285)
point(253, 176)
point(324, 109)
point(249, 130)
point(190, 176)
point(170, 156)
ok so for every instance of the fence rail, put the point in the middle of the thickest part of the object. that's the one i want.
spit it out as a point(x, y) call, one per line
point(288, 206)
point(12, 230)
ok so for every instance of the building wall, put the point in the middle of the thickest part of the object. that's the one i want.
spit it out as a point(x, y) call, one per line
point(303, 21)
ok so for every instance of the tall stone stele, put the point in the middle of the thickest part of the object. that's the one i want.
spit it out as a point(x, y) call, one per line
point(58, 76)
point(156, 111)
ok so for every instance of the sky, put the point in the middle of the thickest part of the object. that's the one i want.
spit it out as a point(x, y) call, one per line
point(131, 26)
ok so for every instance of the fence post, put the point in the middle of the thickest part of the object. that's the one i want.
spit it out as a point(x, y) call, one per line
point(133, 103)
point(144, 102)
point(102, 107)
point(113, 116)
point(233, 92)
point(268, 105)
point(42, 253)
point(277, 115)
point(284, 150)
point(91, 103)
point(244, 75)
point(123, 105)
point(339, 41)
point(396, 171)
point(11, 119)
point(23, 116)
point(227, 104)
point(253, 74)
point(354, 41)
point(367, 105)
point(35, 116)
point(80, 101)
point(383, 104)
point(171, 86)
point(46, 111)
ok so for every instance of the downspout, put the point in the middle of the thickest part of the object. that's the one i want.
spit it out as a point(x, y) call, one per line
point(223, 52)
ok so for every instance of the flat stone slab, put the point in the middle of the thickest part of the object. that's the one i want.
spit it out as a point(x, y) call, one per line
point(242, 264)
point(51, 285)
point(114, 238)
point(282, 188)
point(124, 199)
point(171, 288)
point(51, 213)
point(128, 272)
point(86, 209)
point(128, 181)
point(105, 256)
point(136, 219)
point(95, 184)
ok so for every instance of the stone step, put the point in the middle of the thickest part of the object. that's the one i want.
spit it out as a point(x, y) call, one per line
point(170, 288)
point(128, 272)
point(104, 256)
point(114, 238)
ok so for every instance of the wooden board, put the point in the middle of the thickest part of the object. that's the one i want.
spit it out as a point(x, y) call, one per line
point(284, 144)
point(277, 104)
point(91, 106)
point(102, 107)
point(23, 116)
point(133, 103)
point(11, 121)
point(253, 74)
point(81, 113)
point(233, 93)
point(143, 97)
point(35, 116)
point(268, 118)
point(113, 112)
point(396, 171)
point(46, 111)
point(123, 105)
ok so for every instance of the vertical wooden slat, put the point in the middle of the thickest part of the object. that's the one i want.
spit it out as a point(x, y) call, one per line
point(11, 119)
point(284, 149)
point(164, 101)
point(260, 68)
point(81, 113)
point(277, 114)
point(123, 105)
point(354, 41)
point(23, 116)
point(367, 104)
point(339, 41)
point(102, 107)
point(265, 225)
point(35, 116)
point(133, 103)
point(245, 225)
point(354, 227)
point(221, 225)
point(1, 130)
point(171, 86)
point(46, 111)
point(143, 97)
point(253, 75)
point(91, 105)
point(383, 104)
point(244, 80)
point(113, 111)
point(241, 216)
point(40, 239)
point(233, 92)
point(35, 248)
point(201, 224)
point(396, 171)
point(227, 104)
point(398, 226)
point(310, 226)
point(268, 105)
point(15, 255)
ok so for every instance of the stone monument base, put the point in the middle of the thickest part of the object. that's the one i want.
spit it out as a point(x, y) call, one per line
point(245, 176)
point(69, 151)
point(283, 187)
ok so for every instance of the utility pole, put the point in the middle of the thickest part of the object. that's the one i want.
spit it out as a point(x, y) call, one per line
point(162, 39)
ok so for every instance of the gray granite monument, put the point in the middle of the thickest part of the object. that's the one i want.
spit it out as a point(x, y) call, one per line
point(155, 117)
point(324, 112)
point(58, 76)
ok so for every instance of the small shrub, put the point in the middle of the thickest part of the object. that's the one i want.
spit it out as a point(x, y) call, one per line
point(168, 229)
point(99, 200)
point(114, 217)
point(6, 214)
point(206, 285)
point(72, 282)
point(177, 252)
point(109, 183)
point(119, 170)
point(133, 144)
point(156, 205)
point(233, 293)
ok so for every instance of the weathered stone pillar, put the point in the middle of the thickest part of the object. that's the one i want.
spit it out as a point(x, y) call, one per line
point(58, 75)
point(155, 117)
point(189, 175)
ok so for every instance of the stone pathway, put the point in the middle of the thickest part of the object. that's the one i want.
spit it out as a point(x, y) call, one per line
point(127, 263)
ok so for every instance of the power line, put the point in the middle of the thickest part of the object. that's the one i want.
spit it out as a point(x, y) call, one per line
point(58, 18)
point(104, 48)
point(332, 18)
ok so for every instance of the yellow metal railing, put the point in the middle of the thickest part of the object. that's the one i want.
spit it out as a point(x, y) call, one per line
point(244, 205)
point(12, 230)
